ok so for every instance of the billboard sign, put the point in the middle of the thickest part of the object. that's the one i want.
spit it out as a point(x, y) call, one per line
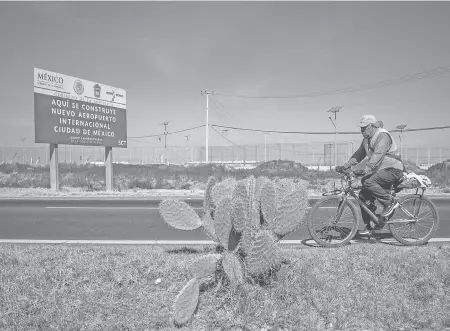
point(75, 111)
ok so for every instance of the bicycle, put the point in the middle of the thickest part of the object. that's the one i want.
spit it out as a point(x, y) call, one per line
point(404, 223)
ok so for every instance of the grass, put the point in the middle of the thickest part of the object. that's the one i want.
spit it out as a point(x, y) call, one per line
point(358, 287)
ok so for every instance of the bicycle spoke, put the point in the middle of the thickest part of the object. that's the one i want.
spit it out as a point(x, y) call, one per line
point(341, 230)
point(420, 225)
point(325, 226)
point(421, 228)
point(430, 213)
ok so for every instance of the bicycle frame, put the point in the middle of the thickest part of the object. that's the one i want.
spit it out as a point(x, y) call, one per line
point(350, 191)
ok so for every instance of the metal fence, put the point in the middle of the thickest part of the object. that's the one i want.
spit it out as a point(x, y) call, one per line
point(308, 154)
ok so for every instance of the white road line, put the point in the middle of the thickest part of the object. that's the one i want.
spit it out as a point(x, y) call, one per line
point(150, 242)
point(132, 208)
point(129, 208)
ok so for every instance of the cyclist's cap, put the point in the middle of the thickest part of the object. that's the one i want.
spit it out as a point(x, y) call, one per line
point(369, 119)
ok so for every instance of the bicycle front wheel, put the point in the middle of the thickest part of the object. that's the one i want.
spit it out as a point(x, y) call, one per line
point(421, 228)
point(333, 222)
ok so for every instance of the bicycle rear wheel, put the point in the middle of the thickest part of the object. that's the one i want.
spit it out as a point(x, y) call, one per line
point(324, 228)
point(418, 232)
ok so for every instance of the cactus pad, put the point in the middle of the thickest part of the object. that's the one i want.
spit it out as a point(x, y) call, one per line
point(264, 254)
point(253, 203)
point(208, 202)
point(186, 302)
point(247, 240)
point(260, 183)
point(222, 221)
point(283, 187)
point(205, 266)
point(208, 226)
point(233, 268)
point(222, 190)
point(268, 202)
point(179, 215)
point(240, 192)
point(238, 215)
point(290, 213)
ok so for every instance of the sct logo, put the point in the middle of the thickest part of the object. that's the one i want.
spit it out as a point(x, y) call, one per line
point(114, 95)
point(97, 90)
point(50, 78)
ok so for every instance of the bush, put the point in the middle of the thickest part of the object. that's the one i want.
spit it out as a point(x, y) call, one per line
point(128, 182)
point(126, 177)
point(24, 180)
point(89, 182)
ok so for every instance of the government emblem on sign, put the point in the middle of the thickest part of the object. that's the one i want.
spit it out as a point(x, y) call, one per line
point(97, 90)
point(78, 87)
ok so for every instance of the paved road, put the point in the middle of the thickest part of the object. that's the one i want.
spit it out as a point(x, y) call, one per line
point(106, 219)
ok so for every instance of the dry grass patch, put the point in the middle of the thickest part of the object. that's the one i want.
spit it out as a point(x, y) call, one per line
point(359, 287)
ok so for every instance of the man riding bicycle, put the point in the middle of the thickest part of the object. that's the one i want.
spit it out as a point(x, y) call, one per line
point(384, 168)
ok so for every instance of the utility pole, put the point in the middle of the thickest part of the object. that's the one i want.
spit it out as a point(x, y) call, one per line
point(23, 149)
point(265, 146)
point(187, 145)
point(207, 120)
point(165, 133)
point(401, 127)
point(165, 140)
point(334, 110)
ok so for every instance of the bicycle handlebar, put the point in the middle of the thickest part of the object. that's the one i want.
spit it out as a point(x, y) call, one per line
point(347, 172)
point(349, 176)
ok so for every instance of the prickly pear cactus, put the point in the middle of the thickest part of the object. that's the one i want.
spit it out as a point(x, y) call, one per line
point(186, 302)
point(247, 218)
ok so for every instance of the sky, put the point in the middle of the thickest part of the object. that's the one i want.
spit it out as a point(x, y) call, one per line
point(165, 53)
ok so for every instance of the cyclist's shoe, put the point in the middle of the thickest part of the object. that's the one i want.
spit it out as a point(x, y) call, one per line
point(388, 209)
point(381, 224)
point(365, 232)
point(383, 220)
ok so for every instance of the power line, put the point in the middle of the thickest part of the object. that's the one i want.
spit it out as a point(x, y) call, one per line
point(215, 99)
point(272, 131)
point(216, 108)
point(230, 115)
point(379, 84)
point(219, 102)
point(228, 139)
point(340, 133)
point(422, 129)
point(156, 135)
point(285, 132)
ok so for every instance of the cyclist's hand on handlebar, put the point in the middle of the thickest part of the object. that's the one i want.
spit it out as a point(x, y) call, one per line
point(340, 169)
point(356, 183)
point(359, 172)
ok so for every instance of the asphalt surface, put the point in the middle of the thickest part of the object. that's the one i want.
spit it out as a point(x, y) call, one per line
point(118, 219)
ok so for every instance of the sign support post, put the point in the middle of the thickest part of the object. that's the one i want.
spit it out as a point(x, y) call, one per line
point(54, 168)
point(109, 169)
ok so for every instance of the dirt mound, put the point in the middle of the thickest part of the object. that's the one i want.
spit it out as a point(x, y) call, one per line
point(440, 173)
point(412, 167)
point(281, 166)
point(409, 165)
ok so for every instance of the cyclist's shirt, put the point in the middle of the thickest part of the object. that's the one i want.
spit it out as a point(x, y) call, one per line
point(381, 150)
